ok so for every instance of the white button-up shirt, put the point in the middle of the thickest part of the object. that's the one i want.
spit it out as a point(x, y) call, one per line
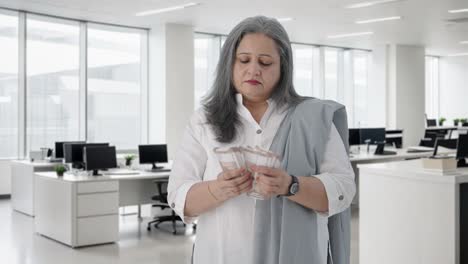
point(224, 234)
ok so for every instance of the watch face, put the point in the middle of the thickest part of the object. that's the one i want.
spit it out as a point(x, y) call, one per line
point(294, 188)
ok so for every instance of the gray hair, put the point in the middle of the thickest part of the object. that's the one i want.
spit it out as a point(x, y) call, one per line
point(220, 104)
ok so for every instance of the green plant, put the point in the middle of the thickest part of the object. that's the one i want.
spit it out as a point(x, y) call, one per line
point(456, 121)
point(441, 121)
point(128, 159)
point(463, 120)
point(60, 170)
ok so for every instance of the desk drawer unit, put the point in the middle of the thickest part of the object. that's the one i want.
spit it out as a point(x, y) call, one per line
point(97, 208)
point(97, 230)
point(97, 204)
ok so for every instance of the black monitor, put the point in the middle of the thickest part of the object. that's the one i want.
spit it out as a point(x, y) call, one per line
point(372, 135)
point(462, 150)
point(431, 122)
point(99, 158)
point(354, 136)
point(446, 143)
point(73, 152)
point(152, 154)
point(59, 153)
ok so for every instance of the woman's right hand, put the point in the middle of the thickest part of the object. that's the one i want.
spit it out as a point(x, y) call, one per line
point(230, 184)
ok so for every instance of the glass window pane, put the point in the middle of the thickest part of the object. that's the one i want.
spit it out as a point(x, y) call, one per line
point(360, 77)
point(114, 86)
point(207, 49)
point(331, 74)
point(303, 58)
point(432, 87)
point(8, 86)
point(52, 81)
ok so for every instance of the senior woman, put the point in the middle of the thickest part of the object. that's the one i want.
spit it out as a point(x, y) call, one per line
point(253, 102)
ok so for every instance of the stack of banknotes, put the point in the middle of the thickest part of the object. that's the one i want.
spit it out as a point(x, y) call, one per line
point(231, 158)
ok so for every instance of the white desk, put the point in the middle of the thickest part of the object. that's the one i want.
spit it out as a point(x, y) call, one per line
point(22, 183)
point(364, 157)
point(409, 214)
point(83, 210)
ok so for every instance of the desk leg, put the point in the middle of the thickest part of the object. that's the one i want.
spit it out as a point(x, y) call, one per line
point(139, 212)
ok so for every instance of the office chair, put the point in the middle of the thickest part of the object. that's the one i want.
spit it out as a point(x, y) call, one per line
point(161, 202)
point(430, 139)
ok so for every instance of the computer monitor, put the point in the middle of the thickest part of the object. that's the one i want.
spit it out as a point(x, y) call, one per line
point(372, 135)
point(59, 148)
point(431, 122)
point(99, 158)
point(152, 154)
point(446, 143)
point(462, 150)
point(354, 136)
point(73, 152)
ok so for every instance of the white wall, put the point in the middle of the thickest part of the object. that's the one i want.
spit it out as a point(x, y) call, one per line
point(453, 91)
point(171, 83)
point(5, 177)
point(180, 88)
point(406, 90)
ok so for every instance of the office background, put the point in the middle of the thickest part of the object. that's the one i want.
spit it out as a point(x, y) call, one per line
point(66, 78)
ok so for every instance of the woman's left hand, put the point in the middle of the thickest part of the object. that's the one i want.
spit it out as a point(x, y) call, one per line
point(271, 181)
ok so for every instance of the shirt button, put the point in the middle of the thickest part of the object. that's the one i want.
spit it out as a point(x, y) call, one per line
point(172, 205)
point(259, 131)
point(341, 197)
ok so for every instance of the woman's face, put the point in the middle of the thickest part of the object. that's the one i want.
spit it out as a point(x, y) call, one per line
point(257, 67)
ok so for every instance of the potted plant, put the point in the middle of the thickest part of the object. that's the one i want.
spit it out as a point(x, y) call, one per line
point(441, 121)
point(463, 121)
point(456, 121)
point(60, 170)
point(128, 159)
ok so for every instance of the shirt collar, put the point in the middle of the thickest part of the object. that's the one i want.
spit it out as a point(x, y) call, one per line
point(244, 112)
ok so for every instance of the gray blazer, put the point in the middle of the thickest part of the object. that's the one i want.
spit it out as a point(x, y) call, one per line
point(286, 232)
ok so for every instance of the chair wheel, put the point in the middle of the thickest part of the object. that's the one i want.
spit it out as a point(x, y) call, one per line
point(174, 232)
point(148, 228)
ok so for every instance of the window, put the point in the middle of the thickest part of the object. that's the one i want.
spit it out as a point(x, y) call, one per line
point(52, 69)
point(303, 57)
point(331, 73)
point(432, 87)
point(360, 60)
point(114, 95)
point(8, 85)
point(207, 49)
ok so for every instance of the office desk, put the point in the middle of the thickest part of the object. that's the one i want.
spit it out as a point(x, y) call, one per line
point(83, 210)
point(22, 183)
point(412, 215)
point(364, 157)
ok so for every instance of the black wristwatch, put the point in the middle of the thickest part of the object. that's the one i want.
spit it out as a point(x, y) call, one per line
point(293, 187)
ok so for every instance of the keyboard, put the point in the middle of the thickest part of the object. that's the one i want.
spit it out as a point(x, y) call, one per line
point(158, 170)
point(417, 149)
point(120, 172)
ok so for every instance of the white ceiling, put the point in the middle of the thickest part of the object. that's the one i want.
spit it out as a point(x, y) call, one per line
point(424, 21)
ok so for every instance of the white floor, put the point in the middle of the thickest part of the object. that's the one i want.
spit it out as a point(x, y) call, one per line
point(20, 245)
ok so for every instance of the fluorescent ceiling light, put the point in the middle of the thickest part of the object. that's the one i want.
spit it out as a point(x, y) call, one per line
point(464, 42)
point(378, 20)
point(285, 19)
point(458, 54)
point(167, 9)
point(458, 11)
point(371, 3)
point(350, 35)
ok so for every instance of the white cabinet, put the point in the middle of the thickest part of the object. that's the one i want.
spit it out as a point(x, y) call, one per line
point(22, 184)
point(77, 213)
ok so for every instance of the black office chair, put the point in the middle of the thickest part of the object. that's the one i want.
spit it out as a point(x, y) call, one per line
point(430, 139)
point(161, 202)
